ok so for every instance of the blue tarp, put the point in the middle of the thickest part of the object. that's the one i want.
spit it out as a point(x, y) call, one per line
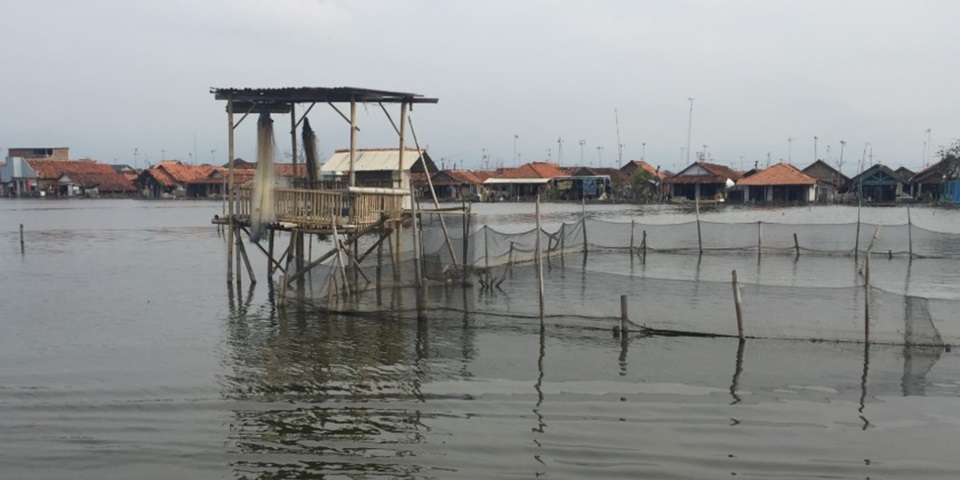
point(951, 191)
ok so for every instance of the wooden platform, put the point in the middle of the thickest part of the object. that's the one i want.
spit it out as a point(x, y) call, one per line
point(352, 209)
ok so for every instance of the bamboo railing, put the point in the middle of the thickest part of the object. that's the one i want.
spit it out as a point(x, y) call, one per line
point(356, 207)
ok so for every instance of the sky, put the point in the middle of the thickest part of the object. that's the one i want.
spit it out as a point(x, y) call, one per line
point(570, 81)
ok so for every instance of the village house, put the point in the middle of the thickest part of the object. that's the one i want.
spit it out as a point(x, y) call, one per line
point(49, 172)
point(878, 184)
point(378, 168)
point(781, 183)
point(457, 185)
point(702, 180)
point(526, 181)
point(830, 181)
point(172, 178)
point(938, 182)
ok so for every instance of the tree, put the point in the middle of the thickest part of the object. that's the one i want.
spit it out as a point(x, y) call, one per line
point(644, 184)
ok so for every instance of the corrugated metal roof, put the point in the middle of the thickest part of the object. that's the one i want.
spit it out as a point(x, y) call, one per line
point(369, 160)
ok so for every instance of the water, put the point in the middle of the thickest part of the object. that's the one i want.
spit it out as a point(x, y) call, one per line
point(124, 354)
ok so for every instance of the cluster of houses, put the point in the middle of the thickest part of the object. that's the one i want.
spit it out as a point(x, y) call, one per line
point(50, 172)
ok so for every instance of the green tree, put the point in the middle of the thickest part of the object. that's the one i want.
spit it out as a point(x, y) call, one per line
point(645, 185)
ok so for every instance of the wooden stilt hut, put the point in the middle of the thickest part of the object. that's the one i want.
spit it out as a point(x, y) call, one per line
point(310, 209)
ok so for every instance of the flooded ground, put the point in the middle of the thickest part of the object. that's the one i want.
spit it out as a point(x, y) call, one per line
point(125, 354)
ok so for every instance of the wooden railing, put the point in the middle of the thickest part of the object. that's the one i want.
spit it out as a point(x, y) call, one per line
point(359, 207)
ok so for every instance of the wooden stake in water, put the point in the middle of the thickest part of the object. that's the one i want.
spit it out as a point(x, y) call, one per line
point(796, 244)
point(631, 239)
point(759, 238)
point(21, 239)
point(909, 232)
point(697, 205)
point(738, 304)
point(539, 261)
point(624, 318)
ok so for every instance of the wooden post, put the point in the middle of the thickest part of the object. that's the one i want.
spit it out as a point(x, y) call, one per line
point(697, 206)
point(466, 241)
point(417, 267)
point(293, 139)
point(539, 261)
point(644, 244)
point(909, 233)
point(624, 318)
point(236, 231)
point(486, 248)
point(343, 268)
point(21, 239)
point(270, 255)
point(737, 303)
point(403, 134)
point(510, 255)
point(759, 238)
point(856, 246)
point(866, 299)
point(380, 261)
point(230, 188)
point(246, 260)
point(353, 141)
point(796, 243)
point(631, 238)
point(583, 223)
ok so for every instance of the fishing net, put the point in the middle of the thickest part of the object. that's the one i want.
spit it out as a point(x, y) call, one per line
point(669, 286)
point(262, 204)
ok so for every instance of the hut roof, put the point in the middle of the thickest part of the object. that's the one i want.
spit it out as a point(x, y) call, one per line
point(377, 159)
point(278, 100)
point(779, 174)
point(703, 172)
point(531, 170)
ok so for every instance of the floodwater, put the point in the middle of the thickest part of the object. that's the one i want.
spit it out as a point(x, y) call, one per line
point(125, 354)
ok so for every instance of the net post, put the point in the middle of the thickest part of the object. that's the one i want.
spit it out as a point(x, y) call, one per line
point(909, 233)
point(631, 238)
point(539, 253)
point(796, 244)
point(624, 318)
point(759, 238)
point(737, 302)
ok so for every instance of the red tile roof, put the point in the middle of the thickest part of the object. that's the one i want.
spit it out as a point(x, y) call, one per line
point(779, 174)
point(532, 170)
point(83, 173)
point(456, 177)
point(635, 164)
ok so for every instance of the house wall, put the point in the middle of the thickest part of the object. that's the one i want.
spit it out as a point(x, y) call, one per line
point(58, 153)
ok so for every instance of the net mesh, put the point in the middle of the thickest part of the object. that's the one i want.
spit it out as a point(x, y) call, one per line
point(588, 265)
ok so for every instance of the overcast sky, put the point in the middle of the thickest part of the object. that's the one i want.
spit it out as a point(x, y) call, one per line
point(108, 78)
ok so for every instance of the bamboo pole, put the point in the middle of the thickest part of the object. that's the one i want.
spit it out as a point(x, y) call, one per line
point(433, 194)
point(759, 238)
point(697, 206)
point(230, 188)
point(246, 260)
point(343, 268)
point(486, 248)
point(796, 244)
point(624, 318)
point(270, 254)
point(402, 133)
point(353, 142)
point(631, 238)
point(417, 267)
point(466, 240)
point(539, 261)
point(644, 244)
point(236, 232)
point(21, 240)
point(909, 232)
point(856, 246)
point(738, 304)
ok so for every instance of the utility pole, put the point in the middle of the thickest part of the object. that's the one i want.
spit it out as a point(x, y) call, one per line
point(643, 152)
point(689, 128)
point(619, 145)
point(599, 155)
point(789, 149)
point(815, 148)
point(840, 162)
point(515, 138)
point(582, 143)
point(559, 151)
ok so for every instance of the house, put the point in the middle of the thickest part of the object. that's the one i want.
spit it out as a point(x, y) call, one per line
point(589, 183)
point(780, 183)
point(830, 181)
point(171, 178)
point(378, 167)
point(652, 190)
point(455, 185)
point(702, 180)
point(526, 181)
point(937, 182)
point(43, 153)
point(63, 178)
point(878, 184)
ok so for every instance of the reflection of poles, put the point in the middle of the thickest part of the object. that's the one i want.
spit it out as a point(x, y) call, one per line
point(697, 204)
point(539, 254)
point(909, 233)
point(863, 384)
point(737, 371)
